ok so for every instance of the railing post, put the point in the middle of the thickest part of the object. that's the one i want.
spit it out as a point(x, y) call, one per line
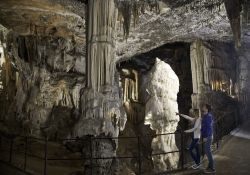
point(91, 156)
point(0, 142)
point(182, 150)
point(45, 155)
point(11, 149)
point(25, 153)
point(139, 155)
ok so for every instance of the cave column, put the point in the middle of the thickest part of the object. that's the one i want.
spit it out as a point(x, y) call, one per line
point(100, 101)
point(102, 15)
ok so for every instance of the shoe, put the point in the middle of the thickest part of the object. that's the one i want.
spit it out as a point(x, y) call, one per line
point(196, 166)
point(209, 171)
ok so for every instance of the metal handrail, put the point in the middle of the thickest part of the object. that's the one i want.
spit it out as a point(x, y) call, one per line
point(139, 156)
point(45, 158)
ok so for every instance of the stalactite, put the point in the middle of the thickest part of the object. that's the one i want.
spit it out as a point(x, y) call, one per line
point(233, 9)
point(130, 85)
point(102, 22)
point(132, 9)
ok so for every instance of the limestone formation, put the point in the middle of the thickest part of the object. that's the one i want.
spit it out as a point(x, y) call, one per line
point(214, 80)
point(162, 84)
point(44, 73)
point(100, 100)
point(86, 69)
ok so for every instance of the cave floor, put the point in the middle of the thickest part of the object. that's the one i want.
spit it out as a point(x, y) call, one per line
point(233, 156)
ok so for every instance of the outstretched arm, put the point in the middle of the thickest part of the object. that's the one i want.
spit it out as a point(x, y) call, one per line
point(186, 117)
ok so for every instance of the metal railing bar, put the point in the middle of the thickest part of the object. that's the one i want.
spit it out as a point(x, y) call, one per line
point(45, 156)
point(49, 159)
point(25, 153)
point(96, 138)
point(164, 153)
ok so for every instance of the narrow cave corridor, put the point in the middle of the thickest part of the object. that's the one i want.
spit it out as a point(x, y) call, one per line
point(104, 87)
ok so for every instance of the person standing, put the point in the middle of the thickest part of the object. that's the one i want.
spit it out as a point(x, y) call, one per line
point(207, 135)
point(196, 132)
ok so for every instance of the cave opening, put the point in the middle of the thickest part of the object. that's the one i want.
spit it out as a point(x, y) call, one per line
point(22, 49)
point(133, 76)
point(177, 55)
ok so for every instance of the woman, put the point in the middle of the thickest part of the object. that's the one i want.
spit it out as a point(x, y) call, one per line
point(196, 130)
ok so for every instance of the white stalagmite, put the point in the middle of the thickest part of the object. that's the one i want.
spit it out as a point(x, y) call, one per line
point(163, 86)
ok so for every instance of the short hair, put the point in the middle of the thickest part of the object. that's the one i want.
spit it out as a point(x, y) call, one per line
point(209, 108)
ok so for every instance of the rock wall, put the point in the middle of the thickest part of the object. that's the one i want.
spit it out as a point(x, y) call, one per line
point(43, 76)
point(214, 70)
point(244, 80)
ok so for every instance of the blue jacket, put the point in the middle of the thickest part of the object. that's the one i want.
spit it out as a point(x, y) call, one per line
point(207, 125)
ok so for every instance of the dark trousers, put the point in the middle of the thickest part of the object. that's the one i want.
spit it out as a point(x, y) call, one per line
point(194, 150)
point(209, 153)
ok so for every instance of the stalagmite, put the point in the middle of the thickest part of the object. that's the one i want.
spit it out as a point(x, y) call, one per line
point(160, 113)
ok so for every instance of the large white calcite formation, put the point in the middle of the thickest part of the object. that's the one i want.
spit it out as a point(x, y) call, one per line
point(162, 84)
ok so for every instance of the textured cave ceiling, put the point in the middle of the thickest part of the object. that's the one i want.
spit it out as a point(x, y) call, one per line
point(176, 20)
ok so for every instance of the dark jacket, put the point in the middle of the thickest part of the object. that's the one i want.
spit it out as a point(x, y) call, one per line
point(207, 125)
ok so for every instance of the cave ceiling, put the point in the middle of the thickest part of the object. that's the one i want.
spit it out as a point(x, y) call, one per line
point(173, 20)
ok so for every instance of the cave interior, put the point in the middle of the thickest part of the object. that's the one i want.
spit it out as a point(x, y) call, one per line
point(105, 78)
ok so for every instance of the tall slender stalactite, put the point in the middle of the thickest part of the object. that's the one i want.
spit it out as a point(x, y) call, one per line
point(101, 38)
point(234, 15)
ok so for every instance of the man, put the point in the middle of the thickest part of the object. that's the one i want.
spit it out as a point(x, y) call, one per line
point(207, 134)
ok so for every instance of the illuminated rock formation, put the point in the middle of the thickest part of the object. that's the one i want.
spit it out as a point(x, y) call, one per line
point(163, 85)
point(100, 100)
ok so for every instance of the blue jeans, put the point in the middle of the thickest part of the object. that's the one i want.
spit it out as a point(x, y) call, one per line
point(195, 146)
point(209, 153)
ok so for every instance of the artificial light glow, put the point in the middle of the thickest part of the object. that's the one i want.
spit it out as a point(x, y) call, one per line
point(222, 86)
